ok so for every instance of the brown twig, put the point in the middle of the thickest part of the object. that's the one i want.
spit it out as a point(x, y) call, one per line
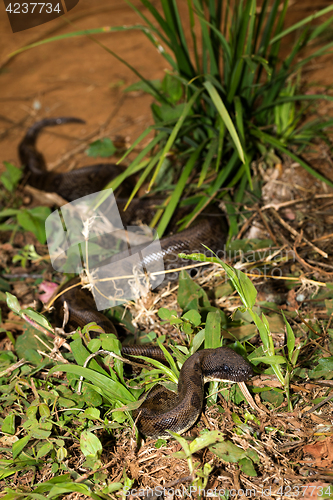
point(264, 221)
point(321, 264)
point(289, 203)
point(13, 367)
point(325, 237)
point(309, 326)
point(315, 407)
point(245, 226)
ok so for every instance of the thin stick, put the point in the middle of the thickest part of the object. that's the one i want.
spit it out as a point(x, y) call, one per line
point(245, 226)
point(315, 407)
point(277, 206)
point(263, 218)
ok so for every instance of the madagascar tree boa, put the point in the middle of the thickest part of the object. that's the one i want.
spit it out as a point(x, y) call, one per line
point(161, 410)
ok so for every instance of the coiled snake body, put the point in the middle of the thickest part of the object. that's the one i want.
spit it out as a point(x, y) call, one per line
point(161, 410)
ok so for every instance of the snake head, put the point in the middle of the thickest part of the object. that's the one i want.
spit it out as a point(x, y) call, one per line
point(226, 365)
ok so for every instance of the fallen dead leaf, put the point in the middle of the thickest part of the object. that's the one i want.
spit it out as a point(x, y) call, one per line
point(321, 453)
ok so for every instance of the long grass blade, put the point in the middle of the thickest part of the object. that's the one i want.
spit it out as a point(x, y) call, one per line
point(225, 117)
point(301, 23)
point(295, 98)
point(143, 177)
point(175, 197)
point(321, 29)
point(193, 36)
point(163, 24)
point(275, 47)
point(207, 162)
point(207, 45)
point(179, 44)
point(239, 119)
point(232, 215)
point(221, 138)
point(108, 385)
point(89, 33)
point(320, 52)
point(136, 142)
point(259, 24)
point(159, 95)
point(221, 39)
point(172, 138)
point(134, 167)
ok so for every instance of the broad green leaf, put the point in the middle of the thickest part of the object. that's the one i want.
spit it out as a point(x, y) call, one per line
point(90, 444)
point(228, 451)
point(34, 220)
point(324, 368)
point(270, 360)
point(193, 317)
point(109, 386)
point(19, 445)
point(103, 148)
point(190, 294)
point(142, 86)
point(198, 340)
point(8, 425)
point(247, 467)
point(205, 440)
point(81, 354)
point(38, 318)
point(41, 430)
point(184, 444)
point(28, 344)
point(44, 450)
point(13, 303)
point(11, 176)
point(213, 330)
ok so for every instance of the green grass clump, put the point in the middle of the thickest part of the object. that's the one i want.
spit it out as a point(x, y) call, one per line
point(226, 100)
point(229, 99)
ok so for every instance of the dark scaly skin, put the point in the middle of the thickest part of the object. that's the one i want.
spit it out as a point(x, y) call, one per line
point(69, 185)
point(161, 410)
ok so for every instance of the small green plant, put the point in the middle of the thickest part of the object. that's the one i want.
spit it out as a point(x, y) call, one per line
point(45, 419)
point(199, 475)
point(15, 219)
point(247, 293)
point(103, 148)
point(26, 254)
point(11, 177)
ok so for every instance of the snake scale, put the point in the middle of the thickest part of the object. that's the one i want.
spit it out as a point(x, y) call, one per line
point(162, 410)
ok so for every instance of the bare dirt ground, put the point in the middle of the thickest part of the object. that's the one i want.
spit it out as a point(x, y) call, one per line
point(76, 77)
